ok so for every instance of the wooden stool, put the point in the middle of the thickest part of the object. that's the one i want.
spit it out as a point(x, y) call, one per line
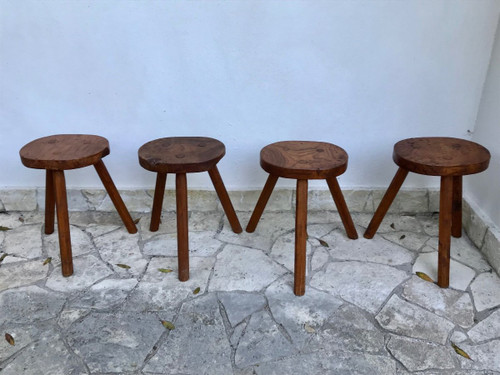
point(450, 158)
point(302, 160)
point(56, 154)
point(181, 155)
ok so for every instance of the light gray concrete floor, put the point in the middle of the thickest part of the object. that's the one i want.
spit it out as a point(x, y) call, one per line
point(124, 311)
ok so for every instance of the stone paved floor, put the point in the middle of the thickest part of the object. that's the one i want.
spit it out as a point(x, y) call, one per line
point(364, 312)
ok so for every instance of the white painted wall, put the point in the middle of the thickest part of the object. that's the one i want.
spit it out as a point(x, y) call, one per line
point(484, 189)
point(362, 74)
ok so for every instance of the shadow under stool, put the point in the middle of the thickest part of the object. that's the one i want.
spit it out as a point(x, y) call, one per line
point(182, 155)
point(57, 153)
point(449, 158)
point(303, 161)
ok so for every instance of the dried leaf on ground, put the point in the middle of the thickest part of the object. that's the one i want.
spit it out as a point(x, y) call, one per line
point(197, 290)
point(10, 339)
point(125, 266)
point(323, 243)
point(460, 351)
point(309, 329)
point(168, 325)
point(402, 237)
point(47, 261)
point(393, 226)
point(3, 229)
point(165, 270)
point(424, 276)
point(3, 256)
point(136, 221)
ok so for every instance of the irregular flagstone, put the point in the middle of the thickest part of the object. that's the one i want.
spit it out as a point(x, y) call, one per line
point(29, 304)
point(18, 199)
point(376, 250)
point(418, 355)
point(348, 329)
point(96, 230)
point(201, 244)
point(460, 275)
point(106, 294)
point(47, 354)
point(283, 251)
point(430, 224)
point(68, 316)
point(465, 252)
point(458, 337)
point(87, 271)
point(484, 356)
point(135, 200)
point(240, 268)
point(315, 231)
point(168, 225)
point(121, 247)
point(15, 241)
point(21, 273)
point(409, 240)
point(448, 303)
point(391, 223)
point(366, 285)
point(271, 226)
point(331, 218)
point(320, 363)
point(158, 291)
point(403, 318)
point(487, 329)
point(240, 305)
point(80, 244)
point(11, 220)
point(486, 291)
point(262, 342)
point(299, 316)
point(204, 221)
point(236, 336)
point(23, 335)
point(197, 344)
point(319, 258)
point(130, 335)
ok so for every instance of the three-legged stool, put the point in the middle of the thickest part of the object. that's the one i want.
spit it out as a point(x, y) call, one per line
point(181, 155)
point(303, 161)
point(56, 154)
point(449, 158)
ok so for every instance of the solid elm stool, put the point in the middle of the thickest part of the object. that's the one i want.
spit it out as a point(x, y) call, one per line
point(181, 155)
point(57, 153)
point(303, 161)
point(450, 158)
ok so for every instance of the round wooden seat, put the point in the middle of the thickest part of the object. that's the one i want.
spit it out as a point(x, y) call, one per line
point(181, 154)
point(303, 159)
point(64, 151)
point(441, 156)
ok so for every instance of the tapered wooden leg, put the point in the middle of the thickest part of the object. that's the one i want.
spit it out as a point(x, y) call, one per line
point(456, 220)
point(386, 202)
point(182, 226)
point(339, 200)
point(115, 196)
point(224, 199)
point(63, 223)
point(261, 203)
point(299, 287)
point(50, 202)
point(161, 179)
point(445, 218)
